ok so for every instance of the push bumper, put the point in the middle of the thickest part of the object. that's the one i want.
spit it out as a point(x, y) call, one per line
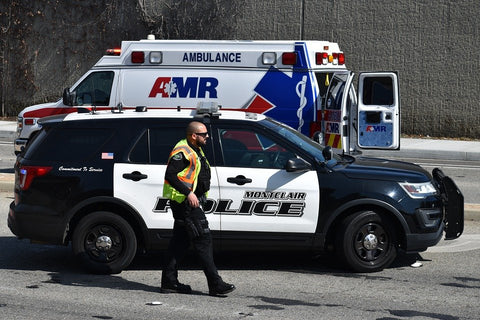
point(453, 203)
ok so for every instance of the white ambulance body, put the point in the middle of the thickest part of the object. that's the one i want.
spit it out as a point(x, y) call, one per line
point(304, 84)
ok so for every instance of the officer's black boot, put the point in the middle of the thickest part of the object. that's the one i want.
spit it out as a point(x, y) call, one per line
point(220, 288)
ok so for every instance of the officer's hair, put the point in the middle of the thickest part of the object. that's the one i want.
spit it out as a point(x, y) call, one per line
point(193, 127)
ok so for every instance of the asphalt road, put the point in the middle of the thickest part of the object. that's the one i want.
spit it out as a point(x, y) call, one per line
point(45, 282)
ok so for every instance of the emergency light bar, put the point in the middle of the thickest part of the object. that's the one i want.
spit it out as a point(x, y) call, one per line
point(268, 58)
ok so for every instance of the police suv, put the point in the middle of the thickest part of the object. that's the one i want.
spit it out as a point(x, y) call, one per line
point(95, 179)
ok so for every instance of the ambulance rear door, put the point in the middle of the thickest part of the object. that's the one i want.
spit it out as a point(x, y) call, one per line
point(336, 112)
point(378, 110)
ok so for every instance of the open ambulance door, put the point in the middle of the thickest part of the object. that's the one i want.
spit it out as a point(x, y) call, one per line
point(378, 111)
point(336, 112)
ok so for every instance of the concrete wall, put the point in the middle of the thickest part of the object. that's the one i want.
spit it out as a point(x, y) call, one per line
point(46, 45)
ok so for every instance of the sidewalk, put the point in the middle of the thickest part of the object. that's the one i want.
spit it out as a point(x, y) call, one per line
point(409, 148)
point(432, 149)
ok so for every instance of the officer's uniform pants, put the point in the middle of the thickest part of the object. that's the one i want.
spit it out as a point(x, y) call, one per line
point(180, 242)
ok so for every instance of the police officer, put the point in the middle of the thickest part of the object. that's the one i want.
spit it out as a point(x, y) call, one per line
point(187, 181)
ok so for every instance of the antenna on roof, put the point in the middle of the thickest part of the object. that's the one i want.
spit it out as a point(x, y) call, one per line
point(118, 108)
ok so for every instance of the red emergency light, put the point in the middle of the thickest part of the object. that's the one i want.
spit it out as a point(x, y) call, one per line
point(138, 57)
point(289, 58)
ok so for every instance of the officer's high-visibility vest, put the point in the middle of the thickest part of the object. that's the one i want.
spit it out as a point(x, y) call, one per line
point(188, 176)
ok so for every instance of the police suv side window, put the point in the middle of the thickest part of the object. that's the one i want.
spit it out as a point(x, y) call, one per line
point(155, 145)
point(95, 89)
point(247, 148)
point(70, 144)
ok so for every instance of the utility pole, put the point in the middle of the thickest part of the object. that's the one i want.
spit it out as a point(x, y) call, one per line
point(302, 19)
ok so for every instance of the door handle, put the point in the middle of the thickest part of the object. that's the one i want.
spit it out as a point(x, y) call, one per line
point(240, 180)
point(135, 176)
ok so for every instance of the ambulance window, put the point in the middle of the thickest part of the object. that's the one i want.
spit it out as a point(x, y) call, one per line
point(335, 94)
point(95, 89)
point(246, 148)
point(378, 91)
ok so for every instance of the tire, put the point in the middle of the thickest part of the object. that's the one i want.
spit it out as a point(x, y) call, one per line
point(104, 242)
point(366, 242)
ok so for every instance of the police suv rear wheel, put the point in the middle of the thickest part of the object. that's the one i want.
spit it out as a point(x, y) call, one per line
point(104, 242)
point(366, 242)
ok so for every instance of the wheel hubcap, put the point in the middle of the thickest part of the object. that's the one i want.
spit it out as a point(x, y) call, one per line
point(103, 243)
point(370, 242)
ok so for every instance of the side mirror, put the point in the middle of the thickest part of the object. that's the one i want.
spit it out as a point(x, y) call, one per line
point(68, 97)
point(297, 164)
point(327, 153)
point(318, 137)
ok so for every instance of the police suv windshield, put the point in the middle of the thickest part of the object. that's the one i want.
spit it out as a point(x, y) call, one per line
point(302, 141)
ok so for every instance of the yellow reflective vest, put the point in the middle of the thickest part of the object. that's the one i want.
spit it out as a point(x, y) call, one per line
point(188, 176)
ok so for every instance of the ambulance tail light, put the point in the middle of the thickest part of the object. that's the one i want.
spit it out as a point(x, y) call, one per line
point(138, 57)
point(26, 174)
point(113, 52)
point(289, 58)
point(323, 58)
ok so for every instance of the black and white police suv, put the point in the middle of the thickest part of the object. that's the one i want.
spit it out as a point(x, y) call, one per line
point(95, 180)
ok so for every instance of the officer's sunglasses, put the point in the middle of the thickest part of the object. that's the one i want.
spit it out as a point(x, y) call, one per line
point(202, 134)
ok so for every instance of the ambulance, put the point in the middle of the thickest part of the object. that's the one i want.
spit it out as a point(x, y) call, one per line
point(304, 84)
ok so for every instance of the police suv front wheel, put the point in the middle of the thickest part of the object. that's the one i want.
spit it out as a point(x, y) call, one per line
point(366, 242)
point(104, 242)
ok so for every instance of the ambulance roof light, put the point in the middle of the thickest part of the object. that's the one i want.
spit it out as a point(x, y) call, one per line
point(269, 58)
point(113, 52)
point(151, 37)
point(138, 57)
point(289, 58)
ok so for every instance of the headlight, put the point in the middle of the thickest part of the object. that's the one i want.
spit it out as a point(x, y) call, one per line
point(418, 190)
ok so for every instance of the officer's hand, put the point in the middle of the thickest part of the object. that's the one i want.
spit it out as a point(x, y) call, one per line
point(193, 200)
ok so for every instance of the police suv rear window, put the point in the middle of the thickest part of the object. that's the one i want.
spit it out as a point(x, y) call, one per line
point(68, 144)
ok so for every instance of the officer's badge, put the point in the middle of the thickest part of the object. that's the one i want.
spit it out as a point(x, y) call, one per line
point(177, 156)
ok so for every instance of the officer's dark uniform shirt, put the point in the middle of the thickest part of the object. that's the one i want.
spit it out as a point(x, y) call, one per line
point(177, 163)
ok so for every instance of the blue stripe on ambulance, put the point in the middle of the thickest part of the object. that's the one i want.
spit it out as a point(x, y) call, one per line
point(296, 99)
